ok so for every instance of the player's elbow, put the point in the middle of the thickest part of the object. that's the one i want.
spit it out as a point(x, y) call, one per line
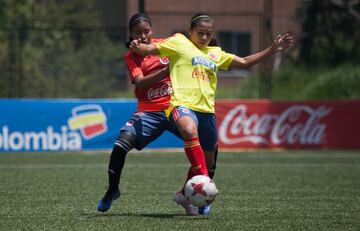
point(240, 63)
point(139, 82)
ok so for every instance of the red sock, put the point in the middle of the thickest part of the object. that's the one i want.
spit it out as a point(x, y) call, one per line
point(196, 156)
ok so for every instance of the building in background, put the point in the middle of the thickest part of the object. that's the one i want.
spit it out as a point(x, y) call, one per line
point(246, 19)
point(242, 27)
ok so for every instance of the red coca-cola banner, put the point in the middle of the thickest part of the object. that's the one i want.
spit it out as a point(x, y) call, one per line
point(271, 124)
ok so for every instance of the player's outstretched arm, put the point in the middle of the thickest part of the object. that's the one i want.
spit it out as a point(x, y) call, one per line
point(280, 43)
point(142, 48)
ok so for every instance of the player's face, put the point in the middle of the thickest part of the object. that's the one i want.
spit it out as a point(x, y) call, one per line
point(202, 34)
point(142, 31)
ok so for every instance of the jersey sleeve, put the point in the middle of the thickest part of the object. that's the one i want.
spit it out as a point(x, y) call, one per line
point(133, 67)
point(169, 46)
point(225, 60)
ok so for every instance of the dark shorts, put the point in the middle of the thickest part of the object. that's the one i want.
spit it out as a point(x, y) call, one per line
point(206, 123)
point(148, 126)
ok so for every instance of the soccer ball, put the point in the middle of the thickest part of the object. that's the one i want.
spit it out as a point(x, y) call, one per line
point(200, 190)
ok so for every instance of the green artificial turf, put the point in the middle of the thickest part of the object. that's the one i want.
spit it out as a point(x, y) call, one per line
point(289, 190)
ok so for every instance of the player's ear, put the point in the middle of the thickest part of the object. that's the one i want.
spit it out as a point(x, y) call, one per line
point(189, 31)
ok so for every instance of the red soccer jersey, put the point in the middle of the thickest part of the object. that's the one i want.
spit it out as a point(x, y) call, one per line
point(157, 96)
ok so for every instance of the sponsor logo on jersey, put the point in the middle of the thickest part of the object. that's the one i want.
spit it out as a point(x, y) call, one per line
point(214, 57)
point(162, 91)
point(203, 61)
point(164, 60)
point(201, 74)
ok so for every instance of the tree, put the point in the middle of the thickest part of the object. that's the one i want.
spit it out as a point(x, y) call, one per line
point(56, 49)
point(331, 31)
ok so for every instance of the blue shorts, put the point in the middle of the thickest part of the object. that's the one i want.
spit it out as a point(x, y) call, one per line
point(148, 126)
point(206, 123)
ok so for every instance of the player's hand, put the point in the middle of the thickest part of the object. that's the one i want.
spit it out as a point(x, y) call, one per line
point(282, 41)
point(134, 45)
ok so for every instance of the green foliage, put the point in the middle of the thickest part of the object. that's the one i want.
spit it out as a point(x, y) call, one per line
point(331, 32)
point(341, 83)
point(246, 88)
point(294, 81)
point(62, 70)
point(57, 48)
point(15, 13)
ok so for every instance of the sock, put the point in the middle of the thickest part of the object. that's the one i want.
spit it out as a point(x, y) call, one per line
point(196, 157)
point(117, 161)
point(213, 167)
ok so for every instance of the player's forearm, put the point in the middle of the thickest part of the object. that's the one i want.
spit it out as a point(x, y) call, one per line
point(248, 61)
point(146, 81)
point(280, 43)
point(145, 49)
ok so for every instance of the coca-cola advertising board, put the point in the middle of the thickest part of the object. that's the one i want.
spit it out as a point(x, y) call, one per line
point(271, 124)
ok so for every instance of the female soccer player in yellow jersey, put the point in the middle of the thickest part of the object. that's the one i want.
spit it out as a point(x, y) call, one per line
point(194, 62)
point(150, 76)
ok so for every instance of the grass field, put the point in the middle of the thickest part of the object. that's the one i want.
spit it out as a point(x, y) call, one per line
point(292, 190)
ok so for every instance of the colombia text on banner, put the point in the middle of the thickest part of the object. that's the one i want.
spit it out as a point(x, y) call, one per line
point(67, 124)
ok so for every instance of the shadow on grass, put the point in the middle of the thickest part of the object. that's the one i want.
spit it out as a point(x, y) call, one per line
point(146, 215)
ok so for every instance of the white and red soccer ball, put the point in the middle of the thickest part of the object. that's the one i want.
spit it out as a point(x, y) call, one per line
point(200, 190)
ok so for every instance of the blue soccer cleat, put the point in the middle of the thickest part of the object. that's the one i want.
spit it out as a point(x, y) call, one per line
point(205, 210)
point(105, 203)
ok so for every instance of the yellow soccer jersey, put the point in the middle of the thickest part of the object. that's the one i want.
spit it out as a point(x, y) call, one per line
point(193, 72)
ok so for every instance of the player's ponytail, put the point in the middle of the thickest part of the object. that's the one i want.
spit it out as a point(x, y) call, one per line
point(134, 20)
point(199, 17)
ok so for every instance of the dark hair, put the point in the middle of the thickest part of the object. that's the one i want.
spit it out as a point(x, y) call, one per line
point(135, 20)
point(200, 17)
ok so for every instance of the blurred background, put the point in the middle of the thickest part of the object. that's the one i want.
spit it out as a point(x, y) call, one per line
point(74, 49)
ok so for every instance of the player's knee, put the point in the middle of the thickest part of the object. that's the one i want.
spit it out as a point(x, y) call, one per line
point(189, 132)
point(187, 128)
point(126, 140)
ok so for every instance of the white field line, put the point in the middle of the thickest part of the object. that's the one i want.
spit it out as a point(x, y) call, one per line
point(62, 166)
point(220, 165)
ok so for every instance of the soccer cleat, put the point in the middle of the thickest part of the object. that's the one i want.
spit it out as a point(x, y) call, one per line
point(189, 208)
point(205, 210)
point(105, 203)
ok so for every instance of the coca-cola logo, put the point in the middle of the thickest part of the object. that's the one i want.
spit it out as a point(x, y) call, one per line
point(162, 91)
point(201, 74)
point(298, 124)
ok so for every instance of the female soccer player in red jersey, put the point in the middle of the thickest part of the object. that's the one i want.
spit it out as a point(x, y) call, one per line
point(150, 75)
point(194, 62)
